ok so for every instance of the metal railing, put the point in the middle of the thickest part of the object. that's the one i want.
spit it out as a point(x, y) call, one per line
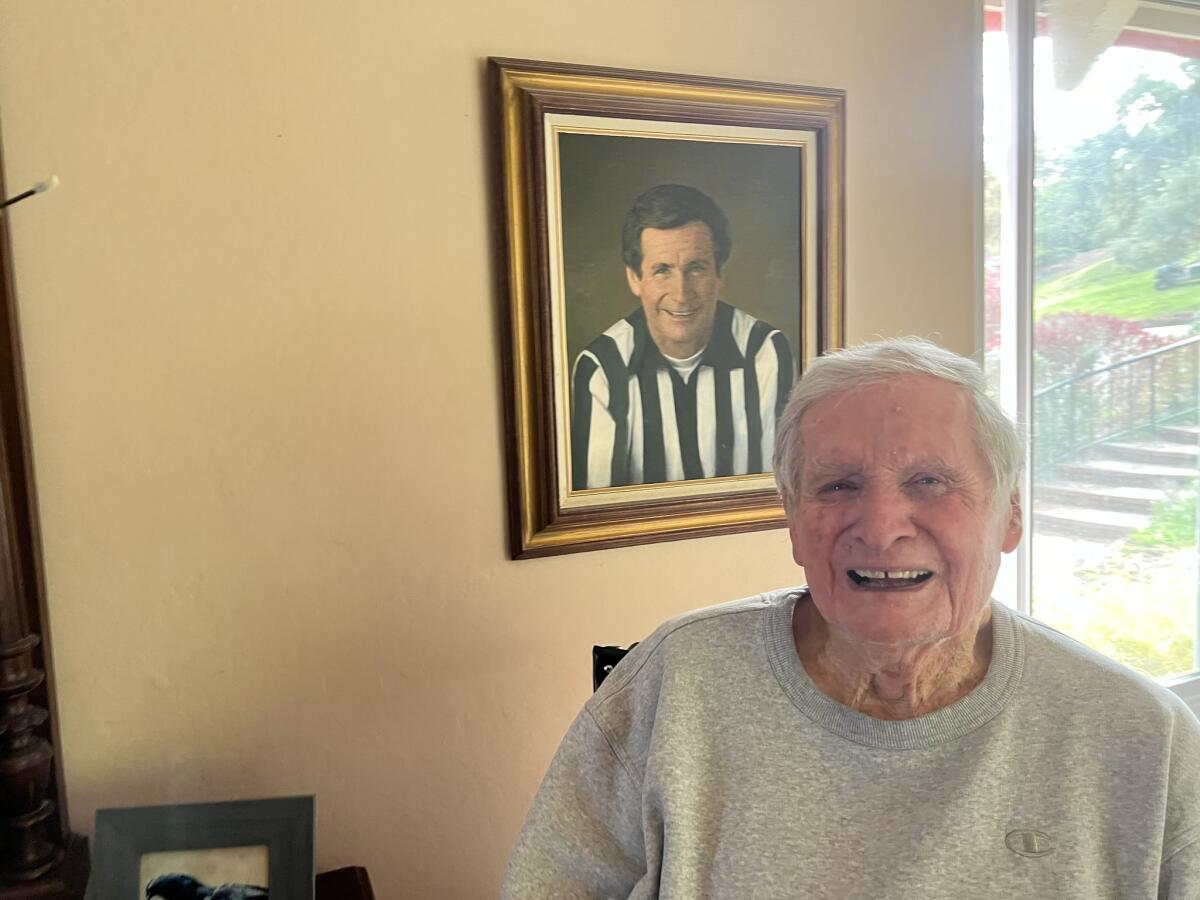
point(1131, 396)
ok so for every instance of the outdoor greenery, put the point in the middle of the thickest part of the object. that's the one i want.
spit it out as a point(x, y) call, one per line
point(1088, 402)
point(1138, 608)
point(1106, 288)
point(1108, 213)
point(1172, 523)
point(1132, 188)
point(1073, 343)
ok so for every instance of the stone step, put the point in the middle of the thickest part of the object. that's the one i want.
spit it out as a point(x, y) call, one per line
point(1112, 491)
point(1182, 434)
point(1087, 524)
point(1115, 497)
point(1130, 474)
point(1165, 453)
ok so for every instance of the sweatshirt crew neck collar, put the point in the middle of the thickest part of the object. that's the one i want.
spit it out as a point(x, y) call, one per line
point(979, 707)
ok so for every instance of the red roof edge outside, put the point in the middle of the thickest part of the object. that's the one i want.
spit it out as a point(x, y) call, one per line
point(1168, 43)
point(993, 20)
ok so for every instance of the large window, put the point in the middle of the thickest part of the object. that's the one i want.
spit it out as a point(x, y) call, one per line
point(1092, 312)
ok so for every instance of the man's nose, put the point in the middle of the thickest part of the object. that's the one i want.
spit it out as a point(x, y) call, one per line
point(687, 286)
point(677, 284)
point(885, 516)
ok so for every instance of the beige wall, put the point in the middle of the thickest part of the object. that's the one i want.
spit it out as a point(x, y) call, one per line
point(260, 326)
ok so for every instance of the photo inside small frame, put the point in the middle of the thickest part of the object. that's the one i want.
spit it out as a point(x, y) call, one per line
point(211, 867)
point(764, 182)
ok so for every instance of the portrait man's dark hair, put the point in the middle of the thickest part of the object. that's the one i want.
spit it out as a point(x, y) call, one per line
point(672, 206)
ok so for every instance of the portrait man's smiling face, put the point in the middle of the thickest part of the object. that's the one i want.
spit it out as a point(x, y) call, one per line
point(679, 285)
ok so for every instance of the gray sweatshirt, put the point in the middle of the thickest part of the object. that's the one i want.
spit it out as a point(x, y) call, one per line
point(710, 765)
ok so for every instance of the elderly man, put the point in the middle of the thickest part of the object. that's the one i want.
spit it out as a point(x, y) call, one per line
point(887, 731)
point(686, 386)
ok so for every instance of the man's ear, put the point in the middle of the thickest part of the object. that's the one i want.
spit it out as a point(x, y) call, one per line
point(635, 281)
point(1013, 528)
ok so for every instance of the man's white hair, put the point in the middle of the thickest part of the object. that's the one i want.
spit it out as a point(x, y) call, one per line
point(867, 364)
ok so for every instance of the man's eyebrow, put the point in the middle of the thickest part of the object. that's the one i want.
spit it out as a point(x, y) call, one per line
point(936, 463)
point(839, 469)
point(820, 470)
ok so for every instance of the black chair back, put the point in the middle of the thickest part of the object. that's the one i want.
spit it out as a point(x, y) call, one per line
point(604, 658)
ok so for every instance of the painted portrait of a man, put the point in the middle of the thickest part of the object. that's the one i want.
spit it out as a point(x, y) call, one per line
point(687, 385)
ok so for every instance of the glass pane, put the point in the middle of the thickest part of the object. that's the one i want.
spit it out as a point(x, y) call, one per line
point(995, 145)
point(996, 115)
point(1116, 338)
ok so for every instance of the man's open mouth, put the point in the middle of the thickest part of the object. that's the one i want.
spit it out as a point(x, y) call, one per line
point(889, 579)
point(681, 313)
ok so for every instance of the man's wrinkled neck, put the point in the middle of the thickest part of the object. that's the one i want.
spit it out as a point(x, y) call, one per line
point(887, 681)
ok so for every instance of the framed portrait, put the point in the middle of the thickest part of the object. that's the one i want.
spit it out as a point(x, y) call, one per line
point(674, 258)
point(241, 850)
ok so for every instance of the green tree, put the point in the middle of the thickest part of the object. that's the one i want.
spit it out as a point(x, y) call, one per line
point(1167, 228)
point(1134, 187)
point(1159, 177)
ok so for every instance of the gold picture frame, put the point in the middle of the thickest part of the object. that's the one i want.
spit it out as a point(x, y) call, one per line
point(578, 145)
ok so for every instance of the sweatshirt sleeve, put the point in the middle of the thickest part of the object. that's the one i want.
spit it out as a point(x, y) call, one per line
point(1179, 878)
point(582, 839)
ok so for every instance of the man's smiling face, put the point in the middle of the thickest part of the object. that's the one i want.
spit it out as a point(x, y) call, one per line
point(678, 286)
point(894, 519)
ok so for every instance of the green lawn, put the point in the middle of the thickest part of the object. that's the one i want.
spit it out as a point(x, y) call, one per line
point(1106, 289)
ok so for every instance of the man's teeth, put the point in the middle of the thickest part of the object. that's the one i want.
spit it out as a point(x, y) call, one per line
point(889, 578)
point(891, 573)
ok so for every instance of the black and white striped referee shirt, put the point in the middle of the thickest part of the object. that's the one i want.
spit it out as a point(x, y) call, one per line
point(635, 420)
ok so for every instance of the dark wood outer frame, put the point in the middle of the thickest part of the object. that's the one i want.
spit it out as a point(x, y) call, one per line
point(283, 824)
point(522, 93)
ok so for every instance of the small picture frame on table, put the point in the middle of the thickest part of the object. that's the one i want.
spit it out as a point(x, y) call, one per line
point(252, 849)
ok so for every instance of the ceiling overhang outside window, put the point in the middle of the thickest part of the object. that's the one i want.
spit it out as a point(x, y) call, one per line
point(1084, 29)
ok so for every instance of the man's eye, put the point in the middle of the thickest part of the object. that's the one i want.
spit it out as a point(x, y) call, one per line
point(927, 480)
point(837, 487)
point(662, 270)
